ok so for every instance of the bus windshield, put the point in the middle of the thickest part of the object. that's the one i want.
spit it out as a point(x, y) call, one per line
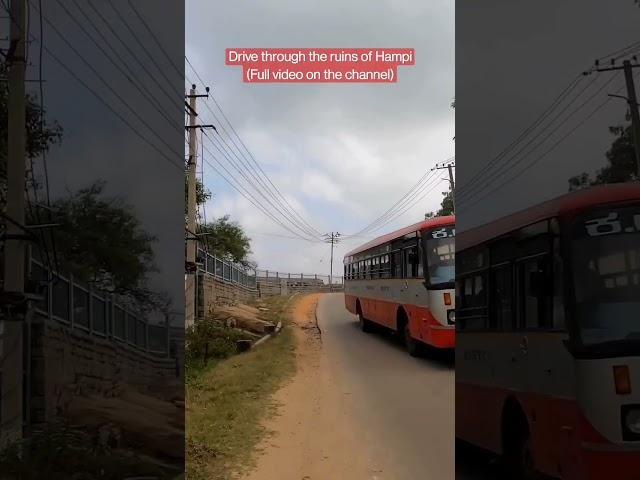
point(606, 272)
point(439, 246)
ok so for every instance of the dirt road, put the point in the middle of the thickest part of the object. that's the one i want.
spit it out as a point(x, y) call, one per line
point(358, 407)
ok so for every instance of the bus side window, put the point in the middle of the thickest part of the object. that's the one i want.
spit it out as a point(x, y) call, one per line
point(558, 294)
point(384, 266)
point(502, 298)
point(534, 293)
point(397, 264)
point(473, 302)
point(410, 260)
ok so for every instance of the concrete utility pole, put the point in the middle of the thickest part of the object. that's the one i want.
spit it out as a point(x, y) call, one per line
point(633, 108)
point(191, 178)
point(190, 283)
point(632, 101)
point(331, 238)
point(192, 239)
point(452, 185)
point(11, 327)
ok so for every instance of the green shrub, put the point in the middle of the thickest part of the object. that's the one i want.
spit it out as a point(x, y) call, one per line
point(210, 339)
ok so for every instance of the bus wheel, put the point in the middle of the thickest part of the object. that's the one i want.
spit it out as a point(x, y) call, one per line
point(365, 325)
point(412, 345)
point(518, 460)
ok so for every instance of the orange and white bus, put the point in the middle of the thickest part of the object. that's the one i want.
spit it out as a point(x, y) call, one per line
point(405, 281)
point(548, 337)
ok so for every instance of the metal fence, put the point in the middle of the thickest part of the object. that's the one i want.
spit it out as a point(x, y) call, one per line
point(226, 271)
point(233, 273)
point(299, 277)
point(77, 305)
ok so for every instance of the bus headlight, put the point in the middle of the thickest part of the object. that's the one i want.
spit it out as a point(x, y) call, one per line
point(632, 420)
point(451, 317)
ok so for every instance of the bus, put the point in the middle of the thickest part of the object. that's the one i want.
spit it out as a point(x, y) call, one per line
point(548, 337)
point(404, 281)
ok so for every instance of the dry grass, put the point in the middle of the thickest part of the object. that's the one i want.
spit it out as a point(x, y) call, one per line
point(227, 402)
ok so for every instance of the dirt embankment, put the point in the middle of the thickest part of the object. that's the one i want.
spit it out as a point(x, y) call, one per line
point(313, 435)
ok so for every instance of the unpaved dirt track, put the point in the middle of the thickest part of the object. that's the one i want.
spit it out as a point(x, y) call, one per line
point(359, 406)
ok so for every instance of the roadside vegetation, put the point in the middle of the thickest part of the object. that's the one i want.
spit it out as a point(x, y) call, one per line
point(64, 452)
point(229, 395)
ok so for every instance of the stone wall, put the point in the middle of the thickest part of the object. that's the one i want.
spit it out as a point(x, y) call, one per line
point(269, 287)
point(213, 292)
point(68, 362)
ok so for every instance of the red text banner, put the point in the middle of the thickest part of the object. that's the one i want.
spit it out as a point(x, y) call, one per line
point(320, 65)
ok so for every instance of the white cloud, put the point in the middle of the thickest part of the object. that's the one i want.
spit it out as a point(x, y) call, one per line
point(341, 154)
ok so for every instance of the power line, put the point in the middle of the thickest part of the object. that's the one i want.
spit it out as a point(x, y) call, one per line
point(425, 191)
point(563, 94)
point(128, 74)
point(113, 110)
point(391, 212)
point(240, 171)
point(247, 162)
point(230, 179)
point(463, 195)
point(111, 89)
point(279, 207)
point(132, 53)
point(142, 45)
point(543, 155)
point(155, 38)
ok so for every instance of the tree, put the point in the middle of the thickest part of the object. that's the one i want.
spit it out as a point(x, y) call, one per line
point(446, 206)
point(101, 241)
point(227, 239)
point(621, 162)
point(202, 194)
point(41, 133)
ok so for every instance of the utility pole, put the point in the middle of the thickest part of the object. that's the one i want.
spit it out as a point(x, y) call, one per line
point(11, 326)
point(192, 239)
point(452, 185)
point(632, 101)
point(331, 238)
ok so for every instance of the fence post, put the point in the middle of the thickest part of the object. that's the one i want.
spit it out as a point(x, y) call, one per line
point(71, 304)
point(168, 334)
point(90, 289)
point(50, 293)
point(146, 336)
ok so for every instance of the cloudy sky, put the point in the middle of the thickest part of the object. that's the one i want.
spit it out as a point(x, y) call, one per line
point(340, 154)
point(512, 60)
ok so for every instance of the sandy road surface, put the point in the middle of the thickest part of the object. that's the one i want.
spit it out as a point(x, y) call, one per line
point(358, 407)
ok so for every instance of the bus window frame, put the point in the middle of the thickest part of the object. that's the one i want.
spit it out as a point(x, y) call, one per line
point(574, 344)
point(520, 242)
point(423, 258)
